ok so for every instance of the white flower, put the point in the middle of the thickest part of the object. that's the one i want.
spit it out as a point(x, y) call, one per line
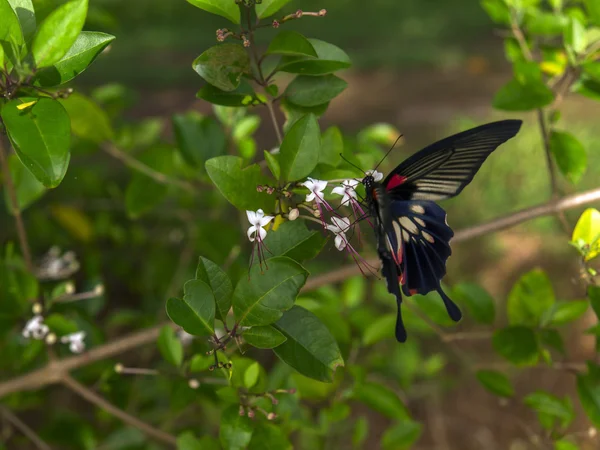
point(75, 341)
point(316, 188)
point(35, 328)
point(346, 190)
point(377, 176)
point(258, 220)
point(339, 228)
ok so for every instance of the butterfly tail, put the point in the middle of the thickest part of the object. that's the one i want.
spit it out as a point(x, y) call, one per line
point(400, 330)
point(451, 307)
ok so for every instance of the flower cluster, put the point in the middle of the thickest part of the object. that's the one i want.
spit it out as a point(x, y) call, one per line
point(35, 328)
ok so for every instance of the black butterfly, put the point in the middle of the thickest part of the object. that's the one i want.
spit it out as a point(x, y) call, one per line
point(413, 237)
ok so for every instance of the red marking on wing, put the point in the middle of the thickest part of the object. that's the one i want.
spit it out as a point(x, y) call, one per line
point(401, 278)
point(374, 195)
point(413, 291)
point(395, 181)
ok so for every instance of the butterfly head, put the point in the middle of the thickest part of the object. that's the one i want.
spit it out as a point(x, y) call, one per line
point(368, 182)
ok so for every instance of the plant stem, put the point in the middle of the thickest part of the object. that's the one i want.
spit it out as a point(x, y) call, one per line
point(12, 194)
point(24, 428)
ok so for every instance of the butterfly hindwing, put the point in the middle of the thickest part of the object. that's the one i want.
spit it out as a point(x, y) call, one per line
point(443, 169)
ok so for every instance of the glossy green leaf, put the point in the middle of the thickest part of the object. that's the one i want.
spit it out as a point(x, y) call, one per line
point(496, 382)
point(269, 437)
point(575, 35)
point(264, 337)
point(199, 138)
point(143, 193)
point(86, 48)
point(293, 113)
point(261, 298)
point(251, 375)
point(299, 152)
point(196, 312)
point(310, 348)
point(381, 329)
point(332, 145)
point(26, 15)
point(224, 8)
point(273, 163)
point(10, 28)
point(220, 284)
point(588, 389)
point(382, 399)
point(291, 43)
point(41, 136)
point(170, 347)
point(294, 240)
point(88, 120)
point(187, 441)
point(243, 95)
point(27, 187)
point(238, 185)
point(518, 344)
point(587, 230)
point(402, 436)
point(235, 431)
point(310, 91)
point(570, 155)
point(515, 96)
point(330, 58)
point(269, 7)
point(223, 65)
point(566, 312)
point(550, 408)
point(529, 298)
point(58, 32)
point(479, 302)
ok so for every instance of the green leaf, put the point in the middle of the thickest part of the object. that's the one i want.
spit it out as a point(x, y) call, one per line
point(299, 152)
point(60, 324)
point(170, 347)
point(381, 399)
point(593, 9)
point(187, 441)
point(26, 15)
point(41, 136)
point(402, 436)
point(27, 187)
point(88, 120)
point(310, 91)
point(273, 163)
point(310, 348)
point(58, 32)
point(332, 145)
point(479, 302)
point(251, 375)
point(594, 297)
point(223, 65)
point(243, 95)
point(529, 298)
point(515, 96)
point(198, 138)
point(545, 23)
point(269, 7)
point(235, 431)
point(496, 382)
point(18, 289)
point(588, 389)
point(380, 329)
point(587, 230)
point(267, 436)
point(550, 408)
point(330, 59)
point(565, 312)
point(264, 337)
point(196, 312)
point(293, 113)
point(361, 432)
point(291, 43)
point(238, 185)
point(518, 344)
point(570, 155)
point(220, 284)
point(575, 35)
point(245, 127)
point(10, 29)
point(144, 193)
point(563, 444)
point(86, 48)
point(497, 10)
point(225, 8)
point(261, 298)
point(294, 240)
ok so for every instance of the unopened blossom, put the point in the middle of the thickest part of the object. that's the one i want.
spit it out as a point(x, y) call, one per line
point(377, 176)
point(35, 328)
point(75, 341)
point(346, 190)
point(257, 221)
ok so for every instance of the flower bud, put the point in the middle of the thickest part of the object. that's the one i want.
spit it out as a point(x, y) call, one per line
point(119, 367)
point(241, 411)
point(322, 12)
point(50, 338)
point(99, 289)
point(275, 24)
point(69, 288)
point(293, 214)
point(251, 413)
point(592, 432)
point(271, 416)
point(37, 308)
point(193, 383)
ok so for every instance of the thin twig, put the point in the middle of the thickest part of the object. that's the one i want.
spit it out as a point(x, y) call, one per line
point(146, 170)
point(94, 398)
point(274, 120)
point(24, 428)
point(12, 194)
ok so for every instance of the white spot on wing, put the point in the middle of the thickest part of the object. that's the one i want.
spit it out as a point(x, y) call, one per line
point(405, 236)
point(427, 236)
point(408, 225)
point(419, 221)
point(418, 209)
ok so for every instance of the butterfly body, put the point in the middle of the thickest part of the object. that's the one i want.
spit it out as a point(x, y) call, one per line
point(413, 236)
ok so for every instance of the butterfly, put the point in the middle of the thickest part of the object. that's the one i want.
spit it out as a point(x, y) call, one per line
point(413, 236)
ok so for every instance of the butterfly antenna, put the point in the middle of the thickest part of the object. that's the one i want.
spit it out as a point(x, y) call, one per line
point(388, 152)
point(351, 163)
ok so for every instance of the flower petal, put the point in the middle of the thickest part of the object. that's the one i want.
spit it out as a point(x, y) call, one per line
point(340, 241)
point(338, 190)
point(251, 232)
point(263, 233)
point(265, 220)
point(251, 216)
